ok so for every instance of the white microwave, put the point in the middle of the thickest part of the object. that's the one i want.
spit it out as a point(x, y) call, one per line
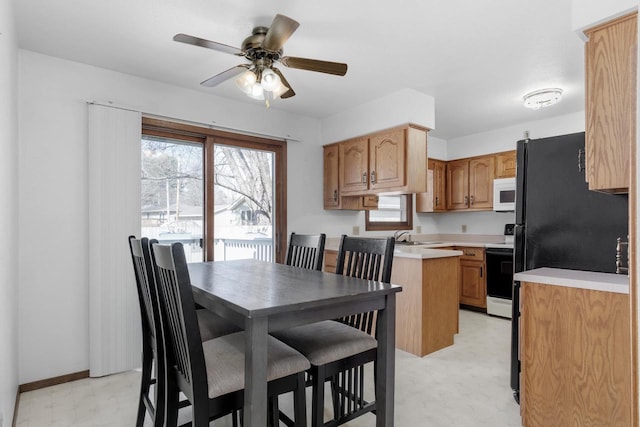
point(504, 194)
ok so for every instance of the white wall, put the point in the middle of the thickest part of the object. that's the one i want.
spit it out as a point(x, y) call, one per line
point(398, 108)
point(8, 213)
point(505, 139)
point(53, 263)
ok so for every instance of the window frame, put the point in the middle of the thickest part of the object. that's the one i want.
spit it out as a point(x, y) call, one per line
point(209, 137)
point(388, 226)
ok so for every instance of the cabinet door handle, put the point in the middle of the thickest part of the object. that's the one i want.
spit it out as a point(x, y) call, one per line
point(466, 200)
point(364, 177)
point(580, 157)
point(481, 271)
point(335, 195)
point(373, 177)
point(471, 198)
point(437, 201)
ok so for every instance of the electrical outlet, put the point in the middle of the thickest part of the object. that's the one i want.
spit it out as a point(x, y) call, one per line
point(356, 230)
point(418, 229)
point(464, 228)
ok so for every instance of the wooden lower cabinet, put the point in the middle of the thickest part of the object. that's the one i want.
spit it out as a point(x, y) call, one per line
point(473, 282)
point(330, 261)
point(575, 356)
point(427, 308)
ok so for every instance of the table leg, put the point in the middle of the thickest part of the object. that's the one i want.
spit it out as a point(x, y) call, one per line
point(386, 330)
point(255, 375)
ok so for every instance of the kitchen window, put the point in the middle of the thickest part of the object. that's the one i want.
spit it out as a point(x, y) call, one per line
point(393, 213)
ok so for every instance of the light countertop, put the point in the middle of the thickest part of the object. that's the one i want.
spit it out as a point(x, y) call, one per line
point(607, 282)
point(424, 252)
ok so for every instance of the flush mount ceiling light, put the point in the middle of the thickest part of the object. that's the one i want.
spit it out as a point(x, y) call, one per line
point(542, 98)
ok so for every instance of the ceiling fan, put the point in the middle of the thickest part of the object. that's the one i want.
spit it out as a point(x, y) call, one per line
point(263, 48)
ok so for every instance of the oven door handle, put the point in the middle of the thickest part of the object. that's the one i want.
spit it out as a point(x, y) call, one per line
point(499, 251)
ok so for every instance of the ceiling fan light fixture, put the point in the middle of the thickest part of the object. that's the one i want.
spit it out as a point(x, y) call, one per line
point(256, 92)
point(542, 98)
point(270, 81)
point(246, 81)
point(280, 91)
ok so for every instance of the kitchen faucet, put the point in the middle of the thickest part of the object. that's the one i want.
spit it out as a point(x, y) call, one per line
point(398, 234)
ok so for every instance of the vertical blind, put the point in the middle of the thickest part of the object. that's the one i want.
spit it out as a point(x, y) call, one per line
point(114, 214)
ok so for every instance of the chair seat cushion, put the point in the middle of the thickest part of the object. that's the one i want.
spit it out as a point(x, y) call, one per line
point(213, 326)
point(224, 358)
point(327, 341)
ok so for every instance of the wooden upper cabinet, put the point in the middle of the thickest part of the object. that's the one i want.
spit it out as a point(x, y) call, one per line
point(390, 161)
point(439, 185)
point(506, 164)
point(470, 183)
point(457, 184)
point(354, 166)
point(481, 172)
point(331, 193)
point(434, 199)
point(387, 160)
point(610, 58)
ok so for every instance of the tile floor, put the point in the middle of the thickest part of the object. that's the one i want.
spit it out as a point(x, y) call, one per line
point(466, 384)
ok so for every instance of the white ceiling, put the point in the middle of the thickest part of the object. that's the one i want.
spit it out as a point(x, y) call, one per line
point(476, 58)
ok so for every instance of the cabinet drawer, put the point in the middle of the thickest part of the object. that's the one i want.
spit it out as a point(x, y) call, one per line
point(330, 261)
point(471, 254)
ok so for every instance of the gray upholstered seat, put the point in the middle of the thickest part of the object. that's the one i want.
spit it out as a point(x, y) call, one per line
point(327, 341)
point(224, 358)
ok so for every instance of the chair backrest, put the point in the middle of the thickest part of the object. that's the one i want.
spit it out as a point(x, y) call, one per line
point(145, 283)
point(306, 251)
point(180, 322)
point(365, 258)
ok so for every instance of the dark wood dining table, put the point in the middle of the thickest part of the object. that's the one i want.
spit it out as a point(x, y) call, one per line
point(262, 297)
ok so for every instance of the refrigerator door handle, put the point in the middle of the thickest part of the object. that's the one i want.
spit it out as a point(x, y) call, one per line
point(519, 248)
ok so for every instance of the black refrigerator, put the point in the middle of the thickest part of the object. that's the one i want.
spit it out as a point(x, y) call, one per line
point(559, 222)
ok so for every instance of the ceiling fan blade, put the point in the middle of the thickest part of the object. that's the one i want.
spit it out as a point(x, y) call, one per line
point(185, 38)
point(336, 68)
point(225, 75)
point(290, 92)
point(281, 29)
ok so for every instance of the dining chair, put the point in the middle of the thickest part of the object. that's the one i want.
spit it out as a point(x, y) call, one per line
point(210, 325)
point(338, 350)
point(211, 373)
point(306, 251)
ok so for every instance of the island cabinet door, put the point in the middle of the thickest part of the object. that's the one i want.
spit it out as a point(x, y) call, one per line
point(354, 166)
point(387, 161)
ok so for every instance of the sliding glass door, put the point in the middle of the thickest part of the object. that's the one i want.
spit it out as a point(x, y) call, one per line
point(172, 193)
point(222, 195)
point(244, 203)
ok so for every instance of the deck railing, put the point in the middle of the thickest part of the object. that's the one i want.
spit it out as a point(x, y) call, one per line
point(260, 248)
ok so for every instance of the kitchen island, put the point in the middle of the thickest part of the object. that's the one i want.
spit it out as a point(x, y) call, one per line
point(427, 308)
